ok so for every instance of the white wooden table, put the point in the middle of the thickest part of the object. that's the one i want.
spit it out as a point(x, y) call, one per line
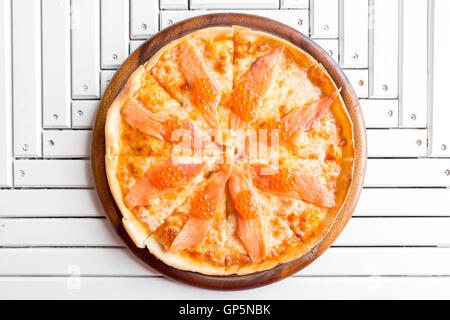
point(56, 58)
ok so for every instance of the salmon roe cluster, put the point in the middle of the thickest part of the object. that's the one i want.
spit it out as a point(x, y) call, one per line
point(204, 92)
point(283, 181)
point(171, 126)
point(168, 177)
point(245, 205)
point(244, 103)
point(203, 206)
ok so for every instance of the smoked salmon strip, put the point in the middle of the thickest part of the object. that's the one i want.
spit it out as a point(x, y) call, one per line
point(295, 184)
point(252, 88)
point(206, 93)
point(204, 208)
point(305, 118)
point(162, 177)
point(295, 122)
point(250, 223)
point(180, 132)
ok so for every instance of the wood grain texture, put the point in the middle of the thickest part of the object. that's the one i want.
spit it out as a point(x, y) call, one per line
point(140, 56)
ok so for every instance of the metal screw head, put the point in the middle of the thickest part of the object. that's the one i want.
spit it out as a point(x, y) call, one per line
point(390, 113)
point(361, 83)
point(84, 87)
point(21, 173)
point(444, 147)
point(300, 22)
point(385, 87)
point(25, 147)
point(80, 113)
point(51, 143)
point(330, 52)
point(143, 26)
point(447, 172)
point(169, 21)
point(355, 56)
point(413, 117)
point(55, 116)
point(419, 142)
point(326, 27)
point(115, 57)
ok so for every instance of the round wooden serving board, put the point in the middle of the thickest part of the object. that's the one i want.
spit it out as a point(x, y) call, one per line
point(145, 52)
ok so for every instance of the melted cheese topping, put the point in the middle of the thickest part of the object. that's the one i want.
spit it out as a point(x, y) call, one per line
point(165, 91)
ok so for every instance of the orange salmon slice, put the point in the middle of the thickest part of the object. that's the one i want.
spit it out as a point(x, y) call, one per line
point(293, 183)
point(251, 89)
point(295, 122)
point(204, 208)
point(160, 178)
point(250, 224)
point(205, 91)
point(305, 118)
point(143, 120)
point(193, 233)
point(180, 132)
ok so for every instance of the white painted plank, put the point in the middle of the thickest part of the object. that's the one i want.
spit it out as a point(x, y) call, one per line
point(27, 79)
point(297, 19)
point(395, 232)
point(56, 63)
point(173, 4)
point(134, 44)
point(235, 4)
point(325, 18)
point(383, 43)
point(53, 173)
point(74, 287)
point(440, 130)
point(62, 261)
point(354, 33)
point(58, 232)
point(404, 202)
point(294, 4)
point(50, 203)
point(381, 261)
point(331, 46)
point(67, 143)
point(408, 173)
point(144, 18)
point(380, 113)
point(114, 32)
point(359, 79)
point(121, 262)
point(397, 143)
point(105, 78)
point(83, 113)
point(5, 95)
point(413, 93)
point(85, 49)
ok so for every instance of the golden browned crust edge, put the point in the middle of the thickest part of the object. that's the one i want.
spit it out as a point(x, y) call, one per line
point(139, 233)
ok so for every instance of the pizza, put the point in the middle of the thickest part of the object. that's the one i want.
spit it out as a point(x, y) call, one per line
point(229, 151)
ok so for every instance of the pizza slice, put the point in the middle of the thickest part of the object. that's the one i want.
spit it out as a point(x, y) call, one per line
point(153, 189)
point(198, 73)
point(198, 229)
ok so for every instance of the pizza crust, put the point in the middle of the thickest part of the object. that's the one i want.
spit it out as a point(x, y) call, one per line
point(139, 232)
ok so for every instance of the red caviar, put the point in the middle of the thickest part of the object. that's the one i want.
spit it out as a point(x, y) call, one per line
point(203, 92)
point(203, 205)
point(168, 177)
point(284, 180)
point(244, 102)
point(245, 205)
point(171, 126)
